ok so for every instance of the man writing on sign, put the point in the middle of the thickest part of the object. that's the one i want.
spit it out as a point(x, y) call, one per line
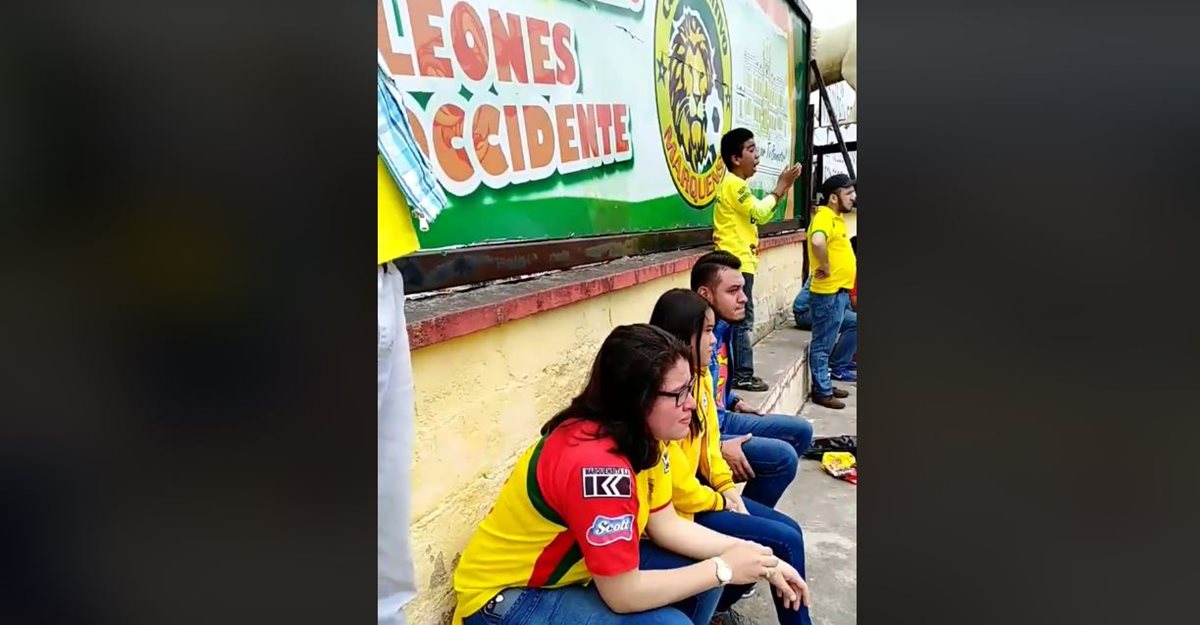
point(736, 216)
point(836, 267)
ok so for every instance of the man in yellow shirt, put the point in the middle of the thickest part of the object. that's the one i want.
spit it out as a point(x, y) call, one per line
point(834, 270)
point(736, 216)
point(408, 188)
point(396, 238)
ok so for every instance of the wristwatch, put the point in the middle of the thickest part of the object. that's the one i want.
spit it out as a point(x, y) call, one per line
point(724, 573)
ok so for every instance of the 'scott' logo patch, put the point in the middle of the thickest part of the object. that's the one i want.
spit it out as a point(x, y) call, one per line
point(608, 530)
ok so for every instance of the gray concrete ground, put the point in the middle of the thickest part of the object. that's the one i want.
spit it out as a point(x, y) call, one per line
point(827, 510)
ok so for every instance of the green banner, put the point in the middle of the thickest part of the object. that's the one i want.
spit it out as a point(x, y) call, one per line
point(556, 119)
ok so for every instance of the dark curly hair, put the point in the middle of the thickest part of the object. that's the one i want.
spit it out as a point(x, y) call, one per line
point(622, 387)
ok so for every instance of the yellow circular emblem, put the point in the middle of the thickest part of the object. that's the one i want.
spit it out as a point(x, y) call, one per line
point(692, 76)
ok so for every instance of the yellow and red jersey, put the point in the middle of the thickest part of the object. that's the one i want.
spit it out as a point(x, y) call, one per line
point(572, 508)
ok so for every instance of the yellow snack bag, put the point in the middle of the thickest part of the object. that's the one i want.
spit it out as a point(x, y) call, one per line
point(840, 464)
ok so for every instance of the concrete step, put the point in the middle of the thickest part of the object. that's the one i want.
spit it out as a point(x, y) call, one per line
point(781, 360)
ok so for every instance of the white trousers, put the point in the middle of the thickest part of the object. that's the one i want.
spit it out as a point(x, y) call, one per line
point(397, 584)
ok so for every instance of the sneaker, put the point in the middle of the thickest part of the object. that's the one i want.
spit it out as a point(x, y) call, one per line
point(844, 375)
point(853, 366)
point(754, 385)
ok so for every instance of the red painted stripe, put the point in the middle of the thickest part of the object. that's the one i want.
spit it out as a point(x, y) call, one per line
point(458, 323)
point(552, 554)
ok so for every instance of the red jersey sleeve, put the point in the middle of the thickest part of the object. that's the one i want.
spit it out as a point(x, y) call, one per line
point(595, 491)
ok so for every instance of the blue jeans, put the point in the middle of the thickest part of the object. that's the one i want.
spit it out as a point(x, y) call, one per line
point(699, 609)
point(771, 528)
point(847, 342)
point(800, 306)
point(828, 311)
point(774, 452)
point(743, 349)
point(583, 605)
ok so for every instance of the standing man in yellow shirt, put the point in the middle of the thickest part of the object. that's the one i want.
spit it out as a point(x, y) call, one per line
point(835, 267)
point(396, 238)
point(736, 216)
point(408, 188)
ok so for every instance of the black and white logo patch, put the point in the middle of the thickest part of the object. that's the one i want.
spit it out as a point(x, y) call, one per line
point(613, 482)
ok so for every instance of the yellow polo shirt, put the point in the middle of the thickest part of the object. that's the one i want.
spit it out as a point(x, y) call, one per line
point(736, 216)
point(397, 237)
point(843, 266)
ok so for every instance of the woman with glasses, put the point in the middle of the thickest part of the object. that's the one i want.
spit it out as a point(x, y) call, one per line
point(563, 544)
point(702, 481)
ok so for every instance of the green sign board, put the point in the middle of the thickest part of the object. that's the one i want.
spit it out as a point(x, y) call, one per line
point(558, 119)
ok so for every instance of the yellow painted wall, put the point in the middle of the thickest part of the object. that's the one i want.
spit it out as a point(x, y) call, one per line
point(481, 398)
point(779, 278)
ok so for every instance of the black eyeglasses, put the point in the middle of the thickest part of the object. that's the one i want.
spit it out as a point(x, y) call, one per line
point(678, 395)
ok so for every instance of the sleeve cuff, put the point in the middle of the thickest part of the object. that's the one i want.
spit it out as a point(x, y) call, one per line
point(724, 486)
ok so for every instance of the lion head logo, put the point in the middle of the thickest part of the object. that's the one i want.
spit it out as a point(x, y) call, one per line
point(692, 65)
point(690, 86)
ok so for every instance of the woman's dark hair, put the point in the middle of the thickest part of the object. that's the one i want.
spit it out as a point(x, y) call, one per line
point(622, 387)
point(682, 313)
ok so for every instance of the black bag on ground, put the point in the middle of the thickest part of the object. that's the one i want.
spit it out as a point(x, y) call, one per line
point(845, 442)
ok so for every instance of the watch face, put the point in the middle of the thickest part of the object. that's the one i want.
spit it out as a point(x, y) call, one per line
point(724, 573)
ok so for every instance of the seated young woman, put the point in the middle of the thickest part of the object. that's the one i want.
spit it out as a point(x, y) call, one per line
point(702, 481)
point(563, 544)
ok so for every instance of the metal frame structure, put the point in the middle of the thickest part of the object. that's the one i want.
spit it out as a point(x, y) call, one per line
point(837, 130)
point(442, 269)
point(819, 152)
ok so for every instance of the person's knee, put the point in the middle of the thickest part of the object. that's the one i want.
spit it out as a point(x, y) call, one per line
point(772, 456)
point(794, 544)
point(796, 540)
point(785, 537)
point(802, 438)
point(790, 462)
point(798, 432)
